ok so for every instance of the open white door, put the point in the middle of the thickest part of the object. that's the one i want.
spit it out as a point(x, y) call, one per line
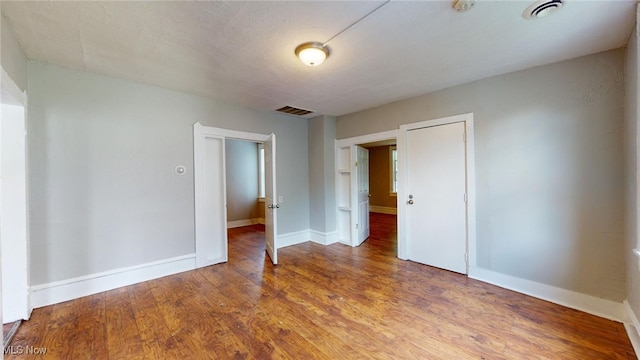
point(211, 199)
point(13, 215)
point(436, 200)
point(363, 194)
point(271, 200)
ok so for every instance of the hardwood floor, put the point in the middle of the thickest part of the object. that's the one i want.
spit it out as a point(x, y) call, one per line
point(321, 302)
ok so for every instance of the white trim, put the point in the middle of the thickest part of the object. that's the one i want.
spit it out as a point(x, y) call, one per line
point(632, 326)
point(293, 238)
point(204, 206)
point(350, 237)
point(231, 134)
point(244, 222)
point(363, 139)
point(323, 238)
point(383, 210)
point(392, 178)
point(471, 182)
point(60, 291)
point(302, 236)
point(590, 304)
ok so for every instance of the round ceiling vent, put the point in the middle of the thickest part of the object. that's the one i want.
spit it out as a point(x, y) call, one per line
point(542, 8)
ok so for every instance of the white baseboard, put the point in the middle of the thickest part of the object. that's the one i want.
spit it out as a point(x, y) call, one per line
point(323, 238)
point(244, 222)
point(632, 326)
point(59, 291)
point(293, 238)
point(590, 304)
point(383, 210)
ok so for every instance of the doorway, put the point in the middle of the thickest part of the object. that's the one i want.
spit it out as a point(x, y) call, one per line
point(211, 192)
point(353, 184)
point(436, 193)
point(14, 234)
point(346, 185)
point(381, 188)
point(245, 179)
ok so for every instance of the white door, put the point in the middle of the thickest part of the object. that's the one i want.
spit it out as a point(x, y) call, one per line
point(211, 200)
point(436, 204)
point(363, 194)
point(271, 200)
point(13, 215)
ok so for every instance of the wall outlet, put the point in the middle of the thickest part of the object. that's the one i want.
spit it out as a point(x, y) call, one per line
point(280, 199)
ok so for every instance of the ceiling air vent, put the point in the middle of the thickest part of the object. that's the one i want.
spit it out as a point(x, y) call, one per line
point(542, 8)
point(294, 111)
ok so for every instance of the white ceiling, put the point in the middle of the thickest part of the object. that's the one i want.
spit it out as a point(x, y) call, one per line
point(243, 52)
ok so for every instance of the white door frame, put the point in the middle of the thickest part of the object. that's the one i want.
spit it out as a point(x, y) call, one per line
point(19, 248)
point(401, 138)
point(471, 182)
point(348, 168)
point(359, 171)
point(201, 132)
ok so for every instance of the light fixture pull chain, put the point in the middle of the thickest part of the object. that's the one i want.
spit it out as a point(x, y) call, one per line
point(357, 21)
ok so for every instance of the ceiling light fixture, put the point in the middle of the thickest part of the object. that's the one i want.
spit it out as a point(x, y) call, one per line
point(312, 53)
point(542, 8)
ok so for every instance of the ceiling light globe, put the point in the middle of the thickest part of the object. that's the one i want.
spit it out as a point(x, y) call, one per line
point(312, 54)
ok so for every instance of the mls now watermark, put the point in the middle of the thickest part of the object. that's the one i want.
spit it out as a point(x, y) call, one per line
point(25, 350)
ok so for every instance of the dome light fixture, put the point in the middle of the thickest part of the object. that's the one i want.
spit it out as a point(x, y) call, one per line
point(312, 53)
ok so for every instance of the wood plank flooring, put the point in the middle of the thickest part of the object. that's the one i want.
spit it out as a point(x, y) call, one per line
point(321, 302)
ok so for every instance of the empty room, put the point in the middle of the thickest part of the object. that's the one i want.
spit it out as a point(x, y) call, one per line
point(319, 179)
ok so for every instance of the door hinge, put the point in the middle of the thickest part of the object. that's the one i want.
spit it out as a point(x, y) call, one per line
point(464, 136)
point(466, 258)
point(356, 226)
point(356, 164)
point(465, 197)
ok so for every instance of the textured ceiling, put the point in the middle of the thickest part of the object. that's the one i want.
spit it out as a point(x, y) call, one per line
point(242, 52)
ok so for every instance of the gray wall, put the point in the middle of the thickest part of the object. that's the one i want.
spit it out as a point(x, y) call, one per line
point(13, 59)
point(242, 180)
point(380, 177)
point(321, 139)
point(103, 192)
point(631, 170)
point(549, 168)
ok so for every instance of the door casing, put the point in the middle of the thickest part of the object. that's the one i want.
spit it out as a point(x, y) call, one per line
point(14, 217)
point(403, 191)
point(204, 207)
point(342, 146)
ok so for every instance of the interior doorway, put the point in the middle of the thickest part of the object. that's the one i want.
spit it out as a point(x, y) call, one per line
point(211, 192)
point(381, 185)
point(436, 193)
point(14, 233)
point(246, 188)
point(346, 185)
point(354, 181)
